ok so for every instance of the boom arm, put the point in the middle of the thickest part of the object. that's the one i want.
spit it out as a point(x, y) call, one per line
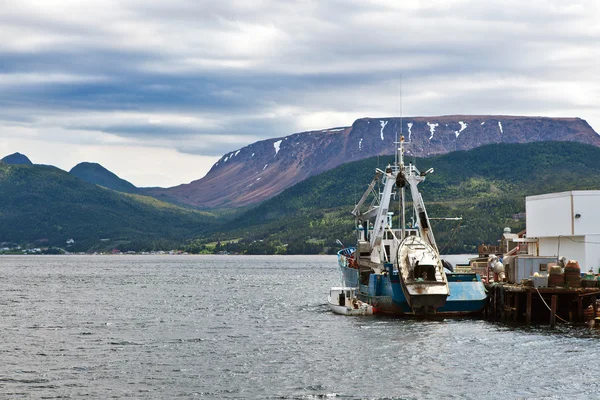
point(424, 226)
point(356, 212)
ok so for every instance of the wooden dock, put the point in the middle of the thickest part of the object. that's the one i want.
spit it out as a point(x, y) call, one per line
point(526, 304)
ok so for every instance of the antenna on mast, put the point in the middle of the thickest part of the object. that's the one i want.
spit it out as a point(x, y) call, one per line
point(400, 104)
point(401, 149)
point(396, 142)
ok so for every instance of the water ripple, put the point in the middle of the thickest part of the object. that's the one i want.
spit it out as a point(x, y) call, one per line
point(255, 327)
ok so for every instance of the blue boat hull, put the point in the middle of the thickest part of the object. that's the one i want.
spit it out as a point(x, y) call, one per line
point(467, 292)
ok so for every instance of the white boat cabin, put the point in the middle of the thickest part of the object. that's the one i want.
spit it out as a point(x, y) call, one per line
point(342, 296)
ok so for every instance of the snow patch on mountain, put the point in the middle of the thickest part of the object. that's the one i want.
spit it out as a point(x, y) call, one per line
point(483, 123)
point(410, 124)
point(432, 129)
point(500, 126)
point(236, 153)
point(463, 126)
point(383, 124)
point(360, 144)
point(265, 167)
point(277, 144)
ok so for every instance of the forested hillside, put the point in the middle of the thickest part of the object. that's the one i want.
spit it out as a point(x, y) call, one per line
point(485, 186)
point(97, 174)
point(44, 205)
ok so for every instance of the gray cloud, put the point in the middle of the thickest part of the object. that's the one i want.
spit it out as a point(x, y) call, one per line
point(162, 73)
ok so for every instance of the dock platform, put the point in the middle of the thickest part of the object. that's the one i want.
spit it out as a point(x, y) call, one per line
point(527, 304)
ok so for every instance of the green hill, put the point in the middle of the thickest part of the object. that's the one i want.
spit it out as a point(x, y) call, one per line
point(17, 159)
point(47, 206)
point(97, 174)
point(43, 205)
point(485, 186)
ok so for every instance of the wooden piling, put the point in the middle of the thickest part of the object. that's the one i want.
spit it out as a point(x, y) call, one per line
point(486, 310)
point(579, 309)
point(553, 311)
point(502, 307)
point(495, 303)
point(516, 316)
point(528, 310)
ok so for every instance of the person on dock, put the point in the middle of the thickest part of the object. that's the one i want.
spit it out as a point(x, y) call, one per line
point(497, 267)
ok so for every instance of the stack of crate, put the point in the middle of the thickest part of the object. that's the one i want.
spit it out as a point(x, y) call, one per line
point(556, 276)
point(572, 274)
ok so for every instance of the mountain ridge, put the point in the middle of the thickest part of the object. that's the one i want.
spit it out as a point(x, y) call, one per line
point(261, 170)
point(17, 159)
point(99, 175)
point(265, 168)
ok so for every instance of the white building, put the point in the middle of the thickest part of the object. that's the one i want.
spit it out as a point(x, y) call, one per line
point(567, 224)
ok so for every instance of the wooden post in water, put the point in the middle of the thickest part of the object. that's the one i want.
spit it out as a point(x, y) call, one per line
point(502, 304)
point(495, 301)
point(553, 311)
point(528, 310)
point(486, 311)
point(579, 309)
point(516, 316)
point(503, 307)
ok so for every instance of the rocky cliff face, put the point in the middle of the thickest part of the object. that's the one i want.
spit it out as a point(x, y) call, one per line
point(263, 169)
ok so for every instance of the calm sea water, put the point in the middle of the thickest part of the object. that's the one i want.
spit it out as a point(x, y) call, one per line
point(255, 327)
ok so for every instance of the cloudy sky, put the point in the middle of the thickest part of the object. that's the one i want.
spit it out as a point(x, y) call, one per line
point(157, 91)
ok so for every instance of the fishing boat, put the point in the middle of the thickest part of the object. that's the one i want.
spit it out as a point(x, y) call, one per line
point(343, 300)
point(398, 269)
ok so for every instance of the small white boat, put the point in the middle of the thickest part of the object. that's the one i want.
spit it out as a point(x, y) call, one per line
point(342, 300)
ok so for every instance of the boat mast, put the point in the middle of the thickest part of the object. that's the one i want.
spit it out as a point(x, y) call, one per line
point(402, 204)
point(399, 153)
